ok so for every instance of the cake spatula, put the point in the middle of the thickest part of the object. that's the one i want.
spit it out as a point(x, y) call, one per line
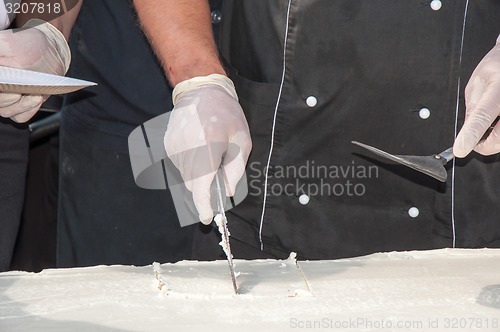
point(432, 165)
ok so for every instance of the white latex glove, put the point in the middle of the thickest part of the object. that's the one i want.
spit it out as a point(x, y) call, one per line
point(38, 46)
point(482, 101)
point(207, 128)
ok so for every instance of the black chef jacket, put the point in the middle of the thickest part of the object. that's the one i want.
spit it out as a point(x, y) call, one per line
point(314, 75)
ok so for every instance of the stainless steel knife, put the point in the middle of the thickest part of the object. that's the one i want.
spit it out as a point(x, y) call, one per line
point(221, 222)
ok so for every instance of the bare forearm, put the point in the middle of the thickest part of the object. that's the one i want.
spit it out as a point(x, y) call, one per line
point(180, 32)
point(61, 14)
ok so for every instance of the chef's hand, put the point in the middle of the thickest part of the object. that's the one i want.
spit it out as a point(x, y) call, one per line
point(207, 129)
point(38, 46)
point(482, 101)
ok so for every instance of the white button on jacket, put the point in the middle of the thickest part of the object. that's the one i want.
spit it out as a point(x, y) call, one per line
point(424, 113)
point(311, 101)
point(304, 199)
point(436, 4)
point(413, 212)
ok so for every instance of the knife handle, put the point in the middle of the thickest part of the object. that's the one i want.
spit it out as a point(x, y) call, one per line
point(490, 129)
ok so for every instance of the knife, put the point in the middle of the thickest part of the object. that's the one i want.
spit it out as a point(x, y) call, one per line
point(15, 80)
point(221, 221)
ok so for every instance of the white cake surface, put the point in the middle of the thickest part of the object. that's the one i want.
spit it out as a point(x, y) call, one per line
point(437, 290)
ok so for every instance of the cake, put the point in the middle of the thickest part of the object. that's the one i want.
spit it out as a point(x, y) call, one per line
point(437, 290)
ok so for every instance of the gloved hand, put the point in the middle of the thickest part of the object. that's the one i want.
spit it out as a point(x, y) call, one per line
point(207, 129)
point(38, 46)
point(482, 101)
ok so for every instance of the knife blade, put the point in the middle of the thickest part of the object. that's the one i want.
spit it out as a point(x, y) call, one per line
point(15, 80)
point(221, 221)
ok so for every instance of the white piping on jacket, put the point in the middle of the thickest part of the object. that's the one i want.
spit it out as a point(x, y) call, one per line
point(264, 201)
point(459, 85)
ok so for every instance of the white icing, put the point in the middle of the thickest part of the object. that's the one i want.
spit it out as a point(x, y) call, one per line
point(274, 296)
point(161, 284)
point(220, 221)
